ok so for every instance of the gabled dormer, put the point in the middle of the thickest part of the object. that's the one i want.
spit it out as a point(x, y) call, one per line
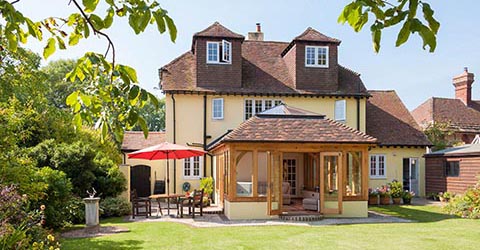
point(218, 54)
point(312, 61)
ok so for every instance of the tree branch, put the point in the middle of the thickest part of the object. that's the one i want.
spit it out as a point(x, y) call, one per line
point(14, 2)
point(96, 31)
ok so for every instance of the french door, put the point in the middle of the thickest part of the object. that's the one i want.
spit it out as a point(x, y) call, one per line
point(331, 188)
point(290, 174)
point(410, 174)
point(274, 177)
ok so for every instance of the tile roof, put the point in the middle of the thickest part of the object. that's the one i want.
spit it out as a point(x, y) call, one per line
point(263, 72)
point(217, 30)
point(295, 128)
point(452, 111)
point(311, 34)
point(390, 122)
point(134, 140)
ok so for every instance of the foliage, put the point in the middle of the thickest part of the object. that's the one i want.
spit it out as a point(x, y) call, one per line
point(438, 133)
point(114, 207)
point(466, 205)
point(206, 184)
point(388, 14)
point(75, 210)
point(373, 192)
point(110, 95)
point(408, 194)
point(58, 87)
point(396, 189)
point(154, 116)
point(19, 227)
point(384, 191)
point(445, 195)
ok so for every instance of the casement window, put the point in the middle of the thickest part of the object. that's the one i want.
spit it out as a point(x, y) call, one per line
point(192, 167)
point(217, 109)
point(340, 111)
point(316, 56)
point(378, 166)
point(219, 52)
point(255, 106)
point(452, 168)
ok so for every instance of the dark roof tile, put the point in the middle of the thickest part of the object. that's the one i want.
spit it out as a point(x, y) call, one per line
point(134, 140)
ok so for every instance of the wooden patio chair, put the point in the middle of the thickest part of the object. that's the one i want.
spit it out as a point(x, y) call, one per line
point(138, 203)
point(194, 202)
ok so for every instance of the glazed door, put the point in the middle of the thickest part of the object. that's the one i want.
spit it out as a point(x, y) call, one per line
point(330, 183)
point(274, 177)
point(410, 174)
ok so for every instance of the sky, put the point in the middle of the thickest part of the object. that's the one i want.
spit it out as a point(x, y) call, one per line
point(414, 73)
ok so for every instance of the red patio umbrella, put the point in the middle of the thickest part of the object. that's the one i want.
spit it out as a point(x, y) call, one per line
point(166, 151)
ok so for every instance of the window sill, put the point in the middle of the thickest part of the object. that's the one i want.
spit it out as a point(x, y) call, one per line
point(317, 66)
point(219, 63)
point(378, 177)
point(191, 178)
point(217, 119)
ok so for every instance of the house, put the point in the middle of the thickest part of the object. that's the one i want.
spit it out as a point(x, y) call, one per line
point(461, 114)
point(453, 169)
point(288, 129)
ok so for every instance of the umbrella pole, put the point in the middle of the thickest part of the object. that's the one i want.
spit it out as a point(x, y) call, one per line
point(168, 187)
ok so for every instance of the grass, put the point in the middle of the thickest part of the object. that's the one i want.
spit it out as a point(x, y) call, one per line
point(432, 230)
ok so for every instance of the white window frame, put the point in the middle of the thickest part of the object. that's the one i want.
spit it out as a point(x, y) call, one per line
point(340, 117)
point(191, 165)
point(222, 57)
point(274, 102)
point(316, 50)
point(220, 100)
point(376, 175)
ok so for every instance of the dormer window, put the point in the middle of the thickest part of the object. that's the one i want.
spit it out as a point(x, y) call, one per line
point(219, 52)
point(316, 56)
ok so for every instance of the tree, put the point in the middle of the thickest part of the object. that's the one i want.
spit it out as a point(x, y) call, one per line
point(110, 97)
point(155, 117)
point(439, 134)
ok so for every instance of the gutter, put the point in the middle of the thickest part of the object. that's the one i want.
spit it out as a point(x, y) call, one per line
point(358, 113)
point(205, 134)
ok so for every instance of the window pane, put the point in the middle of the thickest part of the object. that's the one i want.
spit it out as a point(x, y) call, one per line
point(262, 174)
point(310, 56)
point(322, 56)
point(226, 51)
point(278, 102)
point(258, 106)
point(218, 108)
point(381, 165)
point(268, 104)
point(373, 165)
point(186, 167)
point(196, 166)
point(212, 52)
point(248, 109)
point(340, 106)
point(354, 174)
point(244, 173)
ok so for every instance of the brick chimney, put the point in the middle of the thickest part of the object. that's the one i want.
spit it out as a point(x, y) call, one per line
point(463, 86)
point(256, 36)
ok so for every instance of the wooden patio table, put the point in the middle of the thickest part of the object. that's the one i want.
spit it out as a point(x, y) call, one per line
point(160, 197)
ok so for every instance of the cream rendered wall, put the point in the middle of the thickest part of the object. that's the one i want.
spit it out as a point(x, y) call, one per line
point(350, 209)
point(157, 168)
point(394, 165)
point(247, 210)
point(189, 119)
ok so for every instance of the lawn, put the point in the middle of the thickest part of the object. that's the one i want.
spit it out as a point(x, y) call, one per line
point(432, 230)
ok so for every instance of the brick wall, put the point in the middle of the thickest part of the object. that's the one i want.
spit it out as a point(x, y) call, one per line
point(220, 75)
point(323, 79)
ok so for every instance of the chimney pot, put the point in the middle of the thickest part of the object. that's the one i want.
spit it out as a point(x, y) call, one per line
point(259, 27)
point(463, 86)
point(257, 35)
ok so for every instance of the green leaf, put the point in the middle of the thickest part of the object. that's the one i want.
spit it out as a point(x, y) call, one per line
point(133, 93)
point(428, 15)
point(72, 99)
point(87, 100)
point(129, 71)
point(143, 125)
point(158, 16)
point(143, 21)
point(104, 130)
point(50, 48)
point(172, 29)
point(74, 39)
point(86, 29)
point(90, 5)
point(32, 28)
point(412, 8)
point(153, 100)
point(346, 12)
point(77, 121)
point(109, 18)
point(61, 43)
point(96, 21)
point(404, 34)
point(12, 41)
point(376, 37)
point(132, 117)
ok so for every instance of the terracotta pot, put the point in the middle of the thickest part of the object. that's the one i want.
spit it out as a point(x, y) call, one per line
point(384, 200)
point(397, 200)
point(373, 200)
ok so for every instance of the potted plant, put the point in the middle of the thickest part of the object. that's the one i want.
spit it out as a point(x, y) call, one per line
point(384, 193)
point(207, 185)
point(396, 191)
point(407, 197)
point(373, 196)
point(444, 196)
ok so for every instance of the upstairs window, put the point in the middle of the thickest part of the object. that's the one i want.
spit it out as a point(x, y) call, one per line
point(252, 107)
point(219, 52)
point(452, 168)
point(217, 108)
point(316, 56)
point(192, 167)
point(340, 111)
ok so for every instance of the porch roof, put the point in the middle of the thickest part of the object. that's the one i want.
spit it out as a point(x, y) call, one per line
point(296, 128)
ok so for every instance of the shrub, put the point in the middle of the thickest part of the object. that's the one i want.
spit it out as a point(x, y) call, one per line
point(466, 205)
point(75, 210)
point(207, 185)
point(114, 207)
point(396, 189)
